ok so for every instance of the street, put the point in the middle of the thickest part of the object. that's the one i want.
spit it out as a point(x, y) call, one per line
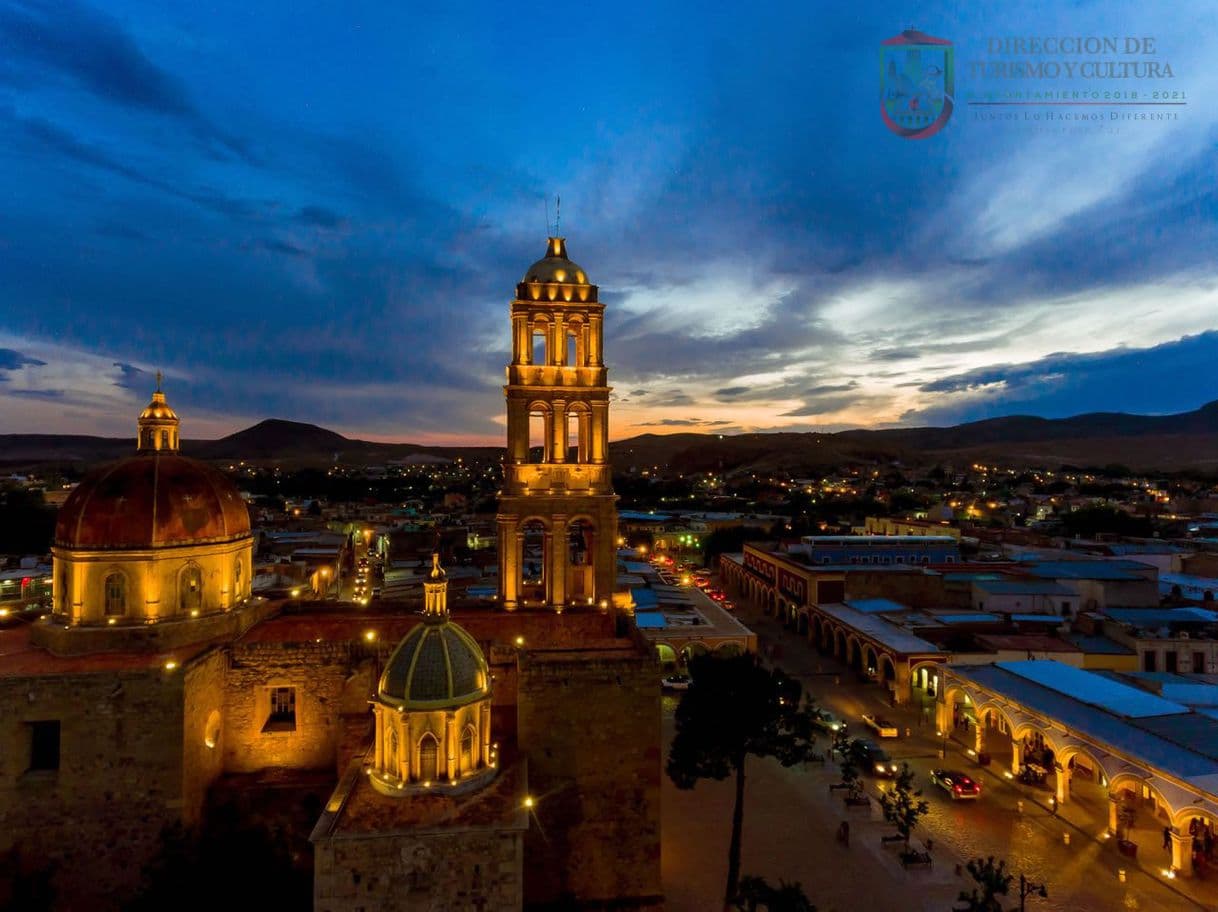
point(790, 820)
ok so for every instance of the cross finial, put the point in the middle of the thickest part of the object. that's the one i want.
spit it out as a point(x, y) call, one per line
point(158, 381)
point(557, 213)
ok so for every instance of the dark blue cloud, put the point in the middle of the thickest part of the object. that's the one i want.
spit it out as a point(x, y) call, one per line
point(1136, 380)
point(74, 42)
point(11, 360)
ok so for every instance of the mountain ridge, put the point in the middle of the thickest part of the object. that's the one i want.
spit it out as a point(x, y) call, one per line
point(1175, 441)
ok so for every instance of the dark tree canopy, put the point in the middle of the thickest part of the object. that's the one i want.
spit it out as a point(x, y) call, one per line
point(736, 708)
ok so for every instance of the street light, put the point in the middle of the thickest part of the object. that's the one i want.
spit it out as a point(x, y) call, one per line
point(1030, 888)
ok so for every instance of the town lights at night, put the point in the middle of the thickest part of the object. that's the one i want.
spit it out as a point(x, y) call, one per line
point(877, 488)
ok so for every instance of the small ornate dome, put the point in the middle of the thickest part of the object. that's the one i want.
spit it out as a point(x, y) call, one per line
point(555, 267)
point(436, 666)
point(151, 500)
point(158, 409)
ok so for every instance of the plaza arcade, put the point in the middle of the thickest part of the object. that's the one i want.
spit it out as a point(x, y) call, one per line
point(1090, 738)
point(810, 601)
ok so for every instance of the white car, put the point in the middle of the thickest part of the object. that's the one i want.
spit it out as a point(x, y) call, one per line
point(677, 682)
point(882, 727)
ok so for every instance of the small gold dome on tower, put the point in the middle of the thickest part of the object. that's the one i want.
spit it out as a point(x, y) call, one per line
point(555, 267)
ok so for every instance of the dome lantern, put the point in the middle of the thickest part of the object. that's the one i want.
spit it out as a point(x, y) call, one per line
point(158, 424)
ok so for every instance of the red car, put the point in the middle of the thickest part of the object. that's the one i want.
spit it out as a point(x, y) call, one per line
point(957, 784)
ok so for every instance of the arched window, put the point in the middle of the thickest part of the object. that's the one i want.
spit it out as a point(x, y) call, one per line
point(164, 440)
point(429, 758)
point(116, 595)
point(391, 758)
point(467, 749)
point(191, 592)
point(237, 577)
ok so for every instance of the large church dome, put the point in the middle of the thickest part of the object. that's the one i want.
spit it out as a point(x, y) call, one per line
point(151, 500)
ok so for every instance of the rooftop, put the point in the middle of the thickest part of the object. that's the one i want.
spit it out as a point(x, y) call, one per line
point(1160, 733)
point(882, 631)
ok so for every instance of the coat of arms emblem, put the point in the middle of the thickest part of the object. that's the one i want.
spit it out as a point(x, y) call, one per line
point(916, 84)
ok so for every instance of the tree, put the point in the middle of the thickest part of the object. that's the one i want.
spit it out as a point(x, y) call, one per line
point(903, 805)
point(851, 759)
point(992, 881)
point(736, 708)
point(756, 894)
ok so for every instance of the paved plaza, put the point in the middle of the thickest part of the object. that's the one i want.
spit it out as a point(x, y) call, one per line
point(791, 820)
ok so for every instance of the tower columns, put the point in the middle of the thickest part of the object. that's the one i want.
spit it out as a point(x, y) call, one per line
point(600, 432)
point(595, 322)
point(510, 541)
point(558, 557)
point(558, 431)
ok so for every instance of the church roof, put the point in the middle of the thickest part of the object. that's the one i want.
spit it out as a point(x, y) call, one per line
point(436, 666)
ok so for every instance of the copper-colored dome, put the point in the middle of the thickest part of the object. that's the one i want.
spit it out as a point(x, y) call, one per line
point(153, 499)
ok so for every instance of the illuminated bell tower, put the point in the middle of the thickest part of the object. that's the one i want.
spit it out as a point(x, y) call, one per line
point(557, 510)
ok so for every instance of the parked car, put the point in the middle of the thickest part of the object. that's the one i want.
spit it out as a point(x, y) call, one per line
point(826, 721)
point(676, 682)
point(881, 726)
point(727, 605)
point(957, 784)
point(876, 760)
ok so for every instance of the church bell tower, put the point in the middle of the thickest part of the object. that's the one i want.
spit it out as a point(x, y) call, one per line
point(557, 510)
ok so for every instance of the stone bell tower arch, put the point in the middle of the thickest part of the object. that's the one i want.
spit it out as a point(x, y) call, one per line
point(557, 511)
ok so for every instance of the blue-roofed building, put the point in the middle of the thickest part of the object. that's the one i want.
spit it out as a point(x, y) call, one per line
point(1024, 596)
point(1095, 738)
point(1176, 640)
point(878, 549)
point(1100, 584)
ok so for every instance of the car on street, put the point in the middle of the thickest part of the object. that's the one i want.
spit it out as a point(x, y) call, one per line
point(676, 682)
point(727, 605)
point(957, 784)
point(876, 760)
point(880, 725)
point(827, 721)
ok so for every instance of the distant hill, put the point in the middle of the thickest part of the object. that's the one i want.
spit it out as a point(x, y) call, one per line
point(271, 439)
point(1188, 440)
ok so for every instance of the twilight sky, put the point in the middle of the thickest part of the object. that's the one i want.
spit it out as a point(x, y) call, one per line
point(319, 211)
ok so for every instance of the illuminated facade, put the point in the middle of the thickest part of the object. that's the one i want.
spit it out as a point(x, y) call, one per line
point(153, 537)
point(557, 510)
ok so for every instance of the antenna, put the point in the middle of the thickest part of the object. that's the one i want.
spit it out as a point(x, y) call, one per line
point(158, 381)
point(545, 201)
point(557, 211)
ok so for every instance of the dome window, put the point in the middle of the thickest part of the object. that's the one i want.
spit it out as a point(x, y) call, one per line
point(429, 758)
point(192, 589)
point(116, 595)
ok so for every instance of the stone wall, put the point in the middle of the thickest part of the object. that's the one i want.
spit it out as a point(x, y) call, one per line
point(478, 870)
point(202, 730)
point(98, 818)
point(318, 672)
point(589, 723)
